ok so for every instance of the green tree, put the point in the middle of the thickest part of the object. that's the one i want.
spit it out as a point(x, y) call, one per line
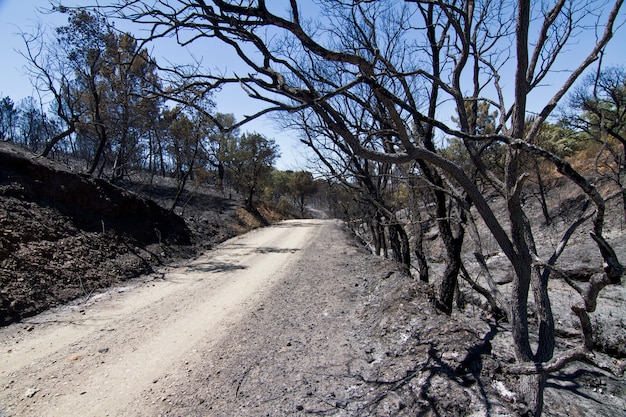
point(220, 141)
point(186, 133)
point(130, 108)
point(559, 140)
point(302, 185)
point(251, 161)
point(8, 116)
point(85, 40)
point(277, 191)
point(598, 110)
point(101, 81)
point(278, 185)
point(32, 125)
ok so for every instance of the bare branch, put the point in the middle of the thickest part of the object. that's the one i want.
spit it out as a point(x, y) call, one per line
point(555, 364)
point(565, 87)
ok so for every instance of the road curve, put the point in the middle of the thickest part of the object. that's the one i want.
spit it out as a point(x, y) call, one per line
point(95, 358)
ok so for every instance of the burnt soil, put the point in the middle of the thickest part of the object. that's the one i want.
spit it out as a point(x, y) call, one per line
point(65, 236)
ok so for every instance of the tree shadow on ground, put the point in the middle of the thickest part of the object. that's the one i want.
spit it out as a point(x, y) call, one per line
point(216, 267)
point(576, 381)
point(276, 250)
point(292, 224)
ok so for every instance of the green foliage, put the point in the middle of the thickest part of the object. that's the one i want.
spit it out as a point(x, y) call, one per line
point(284, 206)
point(277, 186)
point(400, 195)
point(301, 184)
point(183, 139)
point(100, 79)
point(84, 39)
point(32, 125)
point(455, 151)
point(598, 112)
point(251, 158)
point(108, 93)
point(598, 106)
point(8, 115)
point(219, 143)
point(480, 121)
point(290, 190)
point(560, 139)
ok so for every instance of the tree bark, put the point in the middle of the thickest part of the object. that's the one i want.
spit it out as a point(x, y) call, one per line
point(400, 244)
point(542, 194)
point(57, 138)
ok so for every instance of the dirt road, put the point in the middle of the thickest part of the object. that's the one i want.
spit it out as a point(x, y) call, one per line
point(97, 358)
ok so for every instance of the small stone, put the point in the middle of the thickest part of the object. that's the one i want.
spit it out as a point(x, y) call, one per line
point(30, 392)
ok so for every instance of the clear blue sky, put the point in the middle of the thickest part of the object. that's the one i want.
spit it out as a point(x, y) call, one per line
point(21, 16)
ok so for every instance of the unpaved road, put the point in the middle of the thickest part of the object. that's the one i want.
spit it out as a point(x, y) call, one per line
point(98, 358)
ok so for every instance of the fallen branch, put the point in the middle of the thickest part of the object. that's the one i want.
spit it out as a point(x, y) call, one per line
point(555, 364)
point(243, 376)
point(499, 313)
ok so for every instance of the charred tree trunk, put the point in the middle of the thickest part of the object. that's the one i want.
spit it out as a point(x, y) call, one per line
point(542, 195)
point(453, 245)
point(57, 138)
point(221, 171)
point(183, 181)
point(400, 244)
point(418, 234)
point(374, 230)
point(382, 236)
point(100, 128)
point(420, 255)
point(102, 141)
point(449, 280)
point(621, 177)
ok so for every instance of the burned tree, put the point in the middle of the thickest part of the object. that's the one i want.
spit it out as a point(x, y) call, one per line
point(395, 67)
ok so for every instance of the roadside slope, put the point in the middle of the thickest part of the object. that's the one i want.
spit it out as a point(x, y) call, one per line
point(65, 235)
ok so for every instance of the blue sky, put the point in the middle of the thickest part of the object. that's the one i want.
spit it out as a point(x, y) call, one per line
point(21, 15)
